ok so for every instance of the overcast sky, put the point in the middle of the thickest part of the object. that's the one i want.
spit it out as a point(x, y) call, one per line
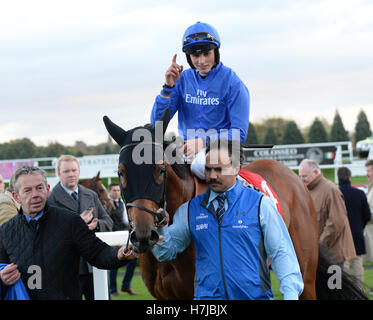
point(66, 64)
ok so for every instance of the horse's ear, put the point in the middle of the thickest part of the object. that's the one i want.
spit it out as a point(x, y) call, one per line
point(165, 119)
point(98, 176)
point(116, 132)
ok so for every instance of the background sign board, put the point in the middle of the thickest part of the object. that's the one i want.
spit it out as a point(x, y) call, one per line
point(292, 155)
point(8, 167)
point(107, 164)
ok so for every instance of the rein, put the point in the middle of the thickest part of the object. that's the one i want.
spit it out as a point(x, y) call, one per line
point(159, 215)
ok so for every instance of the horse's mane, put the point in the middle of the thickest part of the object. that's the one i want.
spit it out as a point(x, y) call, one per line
point(181, 169)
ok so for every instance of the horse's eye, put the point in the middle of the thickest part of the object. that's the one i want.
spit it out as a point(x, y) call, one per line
point(158, 173)
point(122, 175)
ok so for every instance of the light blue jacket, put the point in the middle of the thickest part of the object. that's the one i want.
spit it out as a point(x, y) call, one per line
point(218, 101)
point(276, 243)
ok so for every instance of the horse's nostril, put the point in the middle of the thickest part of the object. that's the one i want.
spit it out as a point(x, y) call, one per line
point(154, 237)
point(142, 242)
point(133, 237)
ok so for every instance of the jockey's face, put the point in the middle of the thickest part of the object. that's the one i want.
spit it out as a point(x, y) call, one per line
point(69, 174)
point(219, 171)
point(204, 61)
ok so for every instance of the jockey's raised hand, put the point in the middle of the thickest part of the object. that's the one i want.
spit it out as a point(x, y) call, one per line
point(192, 147)
point(173, 73)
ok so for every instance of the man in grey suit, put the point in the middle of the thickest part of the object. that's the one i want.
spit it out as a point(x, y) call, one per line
point(70, 195)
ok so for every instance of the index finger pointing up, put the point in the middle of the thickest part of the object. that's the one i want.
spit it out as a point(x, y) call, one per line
point(174, 58)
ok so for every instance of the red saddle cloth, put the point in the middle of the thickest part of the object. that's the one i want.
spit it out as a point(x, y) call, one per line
point(260, 183)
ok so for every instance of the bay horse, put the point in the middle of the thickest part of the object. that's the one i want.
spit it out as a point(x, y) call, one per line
point(149, 188)
point(96, 185)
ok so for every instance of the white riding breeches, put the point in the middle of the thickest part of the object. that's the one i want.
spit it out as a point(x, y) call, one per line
point(198, 164)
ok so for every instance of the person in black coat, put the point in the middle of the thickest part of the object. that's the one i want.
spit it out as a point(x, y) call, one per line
point(358, 215)
point(70, 195)
point(120, 220)
point(42, 244)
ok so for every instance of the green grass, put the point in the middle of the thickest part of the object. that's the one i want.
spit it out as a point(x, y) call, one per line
point(143, 293)
point(359, 180)
point(136, 284)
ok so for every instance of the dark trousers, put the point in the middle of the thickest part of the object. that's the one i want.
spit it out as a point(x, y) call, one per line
point(126, 283)
point(86, 285)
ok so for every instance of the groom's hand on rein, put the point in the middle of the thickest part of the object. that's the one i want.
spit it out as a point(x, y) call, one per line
point(165, 219)
point(125, 253)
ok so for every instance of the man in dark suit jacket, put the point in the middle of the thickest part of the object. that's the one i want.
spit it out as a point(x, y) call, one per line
point(120, 219)
point(68, 194)
point(42, 244)
point(359, 214)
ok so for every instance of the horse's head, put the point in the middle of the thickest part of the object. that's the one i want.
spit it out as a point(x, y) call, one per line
point(142, 176)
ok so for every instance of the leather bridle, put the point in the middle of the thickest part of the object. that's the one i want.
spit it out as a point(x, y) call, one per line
point(158, 215)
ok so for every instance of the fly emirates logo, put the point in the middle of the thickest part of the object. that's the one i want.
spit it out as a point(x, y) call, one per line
point(201, 99)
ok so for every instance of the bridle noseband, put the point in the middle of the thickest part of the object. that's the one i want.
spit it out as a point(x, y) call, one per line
point(159, 215)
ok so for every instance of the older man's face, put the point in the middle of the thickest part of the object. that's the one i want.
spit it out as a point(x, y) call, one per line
point(32, 193)
point(307, 174)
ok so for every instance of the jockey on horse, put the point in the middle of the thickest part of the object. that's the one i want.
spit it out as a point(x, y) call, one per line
point(210, 98)
point(212, 102)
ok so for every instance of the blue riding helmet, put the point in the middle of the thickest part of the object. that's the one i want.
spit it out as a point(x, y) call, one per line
point(200, 34)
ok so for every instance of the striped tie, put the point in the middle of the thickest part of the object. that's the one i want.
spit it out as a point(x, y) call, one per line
point(75, 195)
point(220, 209)
point(76, 198)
